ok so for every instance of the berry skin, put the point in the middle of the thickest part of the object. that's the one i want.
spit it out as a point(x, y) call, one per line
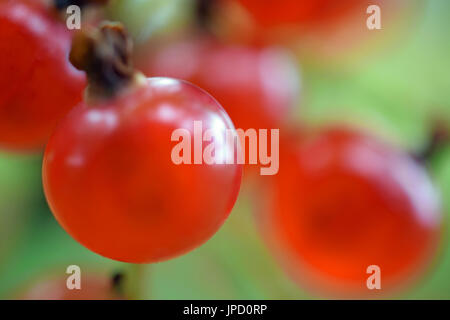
point(342, 202)
point(320, 30)
point(92, 288)
point(111, 183)
point(38, 83)
point(306, 13)
point(258, 87)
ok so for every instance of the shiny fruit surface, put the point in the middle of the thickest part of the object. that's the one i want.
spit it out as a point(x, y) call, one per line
point(111, 181)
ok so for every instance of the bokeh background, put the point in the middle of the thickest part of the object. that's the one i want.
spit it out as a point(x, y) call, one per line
point(390, 83)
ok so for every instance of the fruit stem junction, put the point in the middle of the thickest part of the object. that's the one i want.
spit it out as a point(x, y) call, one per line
point(104, 53)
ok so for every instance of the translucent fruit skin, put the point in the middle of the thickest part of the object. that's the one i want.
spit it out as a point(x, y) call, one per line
point(258, 87)
point(38, 84)
point(111, 183)
point(343, 202)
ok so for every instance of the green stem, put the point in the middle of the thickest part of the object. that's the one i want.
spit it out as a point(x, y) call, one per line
point(135, 281)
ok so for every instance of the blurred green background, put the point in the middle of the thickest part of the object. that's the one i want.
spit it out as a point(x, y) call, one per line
point(391, 91)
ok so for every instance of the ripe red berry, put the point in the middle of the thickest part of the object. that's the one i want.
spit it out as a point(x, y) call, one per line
point(92, 288)
point(38, 83)
point(258, 87)
point(306, 13)
point(108, 173)
point(320, 30)
point(343, 202)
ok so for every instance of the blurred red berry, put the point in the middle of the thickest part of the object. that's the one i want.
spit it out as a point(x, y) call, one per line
point(343, 202)
point(38, 83)
point(258, 87)
point(307, 13)
point(324, 31)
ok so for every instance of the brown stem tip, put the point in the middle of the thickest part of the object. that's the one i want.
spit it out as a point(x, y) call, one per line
point(104, 53)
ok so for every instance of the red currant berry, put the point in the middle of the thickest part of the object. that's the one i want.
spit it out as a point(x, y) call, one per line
point(108, 173)
point(258, 87)
point(343, 202)
point(320, 30)
point(38, 83)
point(273, 13)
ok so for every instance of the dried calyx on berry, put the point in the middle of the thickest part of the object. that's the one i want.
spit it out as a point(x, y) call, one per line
point(104, 53)
point(62, 4)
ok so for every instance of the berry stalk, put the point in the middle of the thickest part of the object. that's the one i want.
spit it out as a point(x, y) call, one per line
point(105, 55)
